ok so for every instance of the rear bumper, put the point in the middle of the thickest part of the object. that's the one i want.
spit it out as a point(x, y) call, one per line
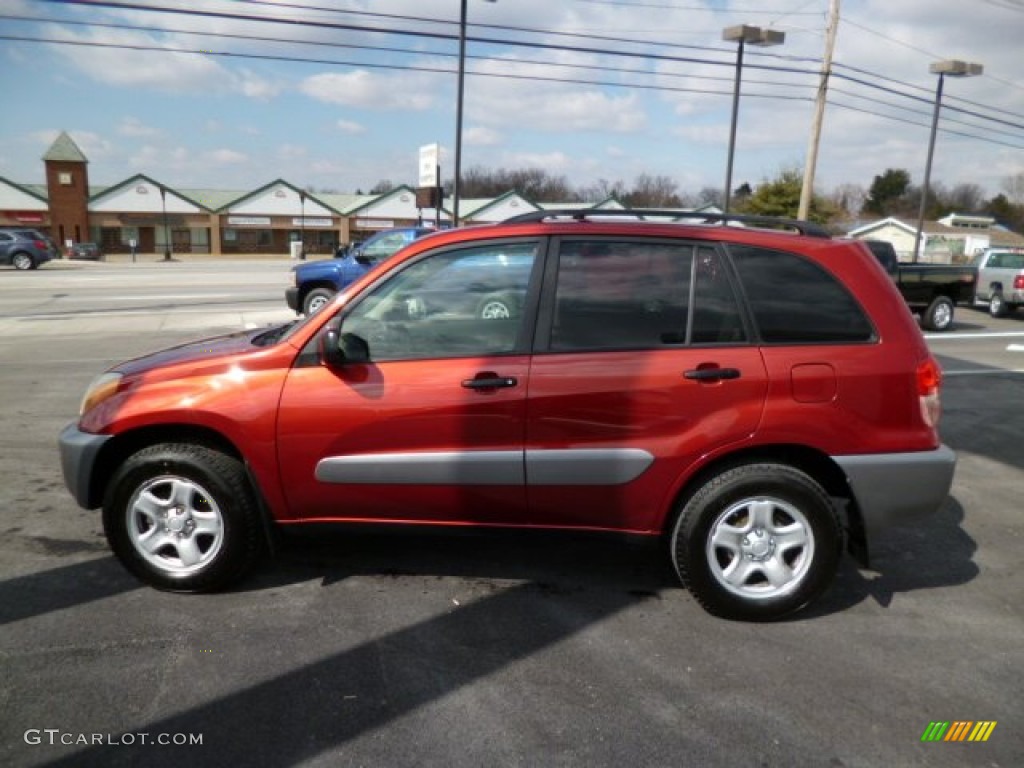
point(291, 298)
point(893, 488)
point(78, 452)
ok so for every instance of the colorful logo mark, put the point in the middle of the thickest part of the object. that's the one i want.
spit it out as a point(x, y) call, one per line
point(958, 730)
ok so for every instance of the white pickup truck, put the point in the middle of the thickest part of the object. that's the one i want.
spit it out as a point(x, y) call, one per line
point(1000, 280)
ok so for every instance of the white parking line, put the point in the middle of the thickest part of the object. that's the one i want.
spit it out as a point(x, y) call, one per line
point(1015, 348)
point(983, 372)
point(958, 336)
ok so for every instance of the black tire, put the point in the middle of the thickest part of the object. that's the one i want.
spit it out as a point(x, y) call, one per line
point(496, 307)
point(23, 261)
point(996, 306)
point(211, 531)
point(316, 300)
point(939, 315)
point(773, 518)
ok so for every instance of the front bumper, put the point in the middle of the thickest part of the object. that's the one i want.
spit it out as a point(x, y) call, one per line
point(78, 453)
point(291, 298)
point(893, 488)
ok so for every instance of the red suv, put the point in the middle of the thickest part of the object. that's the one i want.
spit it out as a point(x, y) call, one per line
point(755, 396)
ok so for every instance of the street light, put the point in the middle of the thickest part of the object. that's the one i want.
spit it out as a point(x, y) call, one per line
point(953, 68)
point(458, 113)
point(302, 224)
point(167, 230)
point(743, 34)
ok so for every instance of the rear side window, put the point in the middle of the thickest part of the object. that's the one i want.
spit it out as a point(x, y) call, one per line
point(642, 295)
point(794, 301)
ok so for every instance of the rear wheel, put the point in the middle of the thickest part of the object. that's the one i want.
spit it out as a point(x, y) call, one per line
point(23, 261)
point(757, 542)
point(939, 315)
point(996, 306)
point(182, 518)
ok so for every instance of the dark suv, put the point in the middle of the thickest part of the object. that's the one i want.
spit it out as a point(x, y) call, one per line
point(24, 248)
point(755, 398)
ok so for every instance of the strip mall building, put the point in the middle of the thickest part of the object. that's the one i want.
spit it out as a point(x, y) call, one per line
point(157, 218)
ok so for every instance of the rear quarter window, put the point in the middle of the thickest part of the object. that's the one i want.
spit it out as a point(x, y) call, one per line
point(795, 301)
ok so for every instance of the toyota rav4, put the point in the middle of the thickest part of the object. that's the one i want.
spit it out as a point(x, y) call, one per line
point(751, 391)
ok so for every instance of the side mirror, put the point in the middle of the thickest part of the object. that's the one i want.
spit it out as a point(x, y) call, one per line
point(338, 349)
point(354, 349)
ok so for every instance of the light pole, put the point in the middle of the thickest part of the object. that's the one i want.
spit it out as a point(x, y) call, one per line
point(167, 230)
point(743, 34)
point(458, 113)
point(302, 224)
point(953, 68)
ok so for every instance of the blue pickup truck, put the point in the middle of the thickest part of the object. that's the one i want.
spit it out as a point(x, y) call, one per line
point(317, 281)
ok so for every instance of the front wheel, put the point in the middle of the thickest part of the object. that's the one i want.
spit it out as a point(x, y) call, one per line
point(182, 518)
point(939, 315)
point(497, 307)
point(316, 300)
point(757, 542)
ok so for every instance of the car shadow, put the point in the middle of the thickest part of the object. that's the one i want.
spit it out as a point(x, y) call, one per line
point(935, 553)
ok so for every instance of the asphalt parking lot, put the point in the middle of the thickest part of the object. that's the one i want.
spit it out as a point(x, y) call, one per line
point(470, 650)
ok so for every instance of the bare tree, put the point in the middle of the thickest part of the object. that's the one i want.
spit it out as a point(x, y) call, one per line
point(965, 198)
point(710, 196)
point(849, 199)
point(653, 192)
point(1013, 186)
point(601, 190)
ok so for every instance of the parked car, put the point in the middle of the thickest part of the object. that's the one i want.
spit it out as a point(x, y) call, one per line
point(316, 282)
point(90, 251)
point(1000, 280)
point(755, 398)
point(932, 290)
point(24, 248)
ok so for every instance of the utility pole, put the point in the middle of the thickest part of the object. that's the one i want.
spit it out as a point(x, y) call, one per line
point(807, 191)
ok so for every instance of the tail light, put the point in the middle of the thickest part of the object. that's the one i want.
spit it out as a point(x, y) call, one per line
point(40, 244)
point(1018, 283)
point(929, 382)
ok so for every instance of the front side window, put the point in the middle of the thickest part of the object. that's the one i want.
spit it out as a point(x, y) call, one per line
point(460, 303)
point(795, 301)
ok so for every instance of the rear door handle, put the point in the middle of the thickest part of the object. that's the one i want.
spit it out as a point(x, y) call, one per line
point(488, 381)
point(712, 374)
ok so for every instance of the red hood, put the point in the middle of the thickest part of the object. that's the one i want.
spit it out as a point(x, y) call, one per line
point(204, 349)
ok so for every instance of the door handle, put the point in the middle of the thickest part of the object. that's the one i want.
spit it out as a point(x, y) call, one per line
point(490, 381)
point(712, 374)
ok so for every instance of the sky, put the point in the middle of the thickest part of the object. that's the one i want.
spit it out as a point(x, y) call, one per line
point(342, 94)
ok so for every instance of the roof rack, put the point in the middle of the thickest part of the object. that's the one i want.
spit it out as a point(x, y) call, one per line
point(807, 228)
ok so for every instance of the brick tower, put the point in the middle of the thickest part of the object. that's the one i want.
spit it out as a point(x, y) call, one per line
point(67, 183)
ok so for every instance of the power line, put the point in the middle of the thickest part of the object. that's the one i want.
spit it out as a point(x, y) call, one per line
point(774, 68)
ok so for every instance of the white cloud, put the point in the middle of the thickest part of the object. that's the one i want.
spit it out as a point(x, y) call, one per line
point(93, 145)
point(225, 157)
point(133, 127)
point(351, 127)
point(482, 137)
point(291, 152)
point(368, 90)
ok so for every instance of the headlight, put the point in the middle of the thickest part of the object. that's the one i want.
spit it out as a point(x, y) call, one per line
point(103, 386)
